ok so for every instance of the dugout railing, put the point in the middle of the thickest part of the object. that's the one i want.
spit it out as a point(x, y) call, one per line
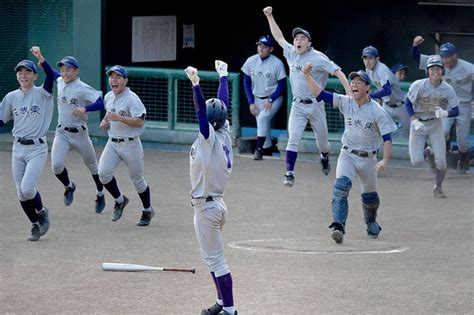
point(171, 117)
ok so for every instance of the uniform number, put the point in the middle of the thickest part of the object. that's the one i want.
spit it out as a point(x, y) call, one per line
point(227, 155)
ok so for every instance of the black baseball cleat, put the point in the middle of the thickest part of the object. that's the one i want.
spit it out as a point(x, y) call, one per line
point(337, 232)
point(69, 195)
point(146, 217)
point(289, 179)
point(35, 233)
point(99, 204)
point(118, 209)
point(373, 229)
point(258, 155)
point(325, 166)
point(213, 310)
point(43, 220)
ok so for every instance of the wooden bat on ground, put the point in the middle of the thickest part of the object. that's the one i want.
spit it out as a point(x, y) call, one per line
point(134, 267)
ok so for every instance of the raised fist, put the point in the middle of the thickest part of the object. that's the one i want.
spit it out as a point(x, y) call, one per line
point(192, 74)
point(268, 11)
point(221, 68)
point(418, 40)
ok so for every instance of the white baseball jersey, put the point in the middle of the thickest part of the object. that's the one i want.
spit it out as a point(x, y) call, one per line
point(126, 104)
point(322, 67)
point(265, 74)
point(71, 96)
point(461, 77)
point(210, 162)
point(425, 98)
point(32, 112)
point(380, 75)
point(364, 125)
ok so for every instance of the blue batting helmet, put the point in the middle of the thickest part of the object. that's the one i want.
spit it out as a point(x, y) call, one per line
point(216, 112)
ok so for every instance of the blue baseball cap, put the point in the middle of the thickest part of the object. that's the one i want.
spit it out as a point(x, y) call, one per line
point(299, 30)
point(26, 64)
point(121, 71)
point(362, 75)
point(68, 61)
point(266, 40)
point(398, 67)
point(447, 49)
point(434, 61)
point(370, 51)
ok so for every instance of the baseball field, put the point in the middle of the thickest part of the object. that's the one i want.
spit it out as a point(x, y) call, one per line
point(279, 248)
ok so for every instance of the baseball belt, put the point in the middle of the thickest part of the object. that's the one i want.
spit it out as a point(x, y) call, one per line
point(121, 139)
point(303, 100)
point(73, 129)
point(359, 152)
point(29, 141)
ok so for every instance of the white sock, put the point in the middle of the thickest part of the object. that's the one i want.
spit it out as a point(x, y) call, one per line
point(120, 199)
point(99, 193)
point(220, 302)
point(229, 309)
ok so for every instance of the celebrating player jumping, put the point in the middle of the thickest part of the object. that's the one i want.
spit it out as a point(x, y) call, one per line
point(305, 107)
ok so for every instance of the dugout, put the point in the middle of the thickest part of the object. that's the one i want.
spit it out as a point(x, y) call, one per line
point(99, 33)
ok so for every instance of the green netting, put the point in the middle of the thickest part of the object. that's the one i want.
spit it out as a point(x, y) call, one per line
point(168, 98)
point(26, 23)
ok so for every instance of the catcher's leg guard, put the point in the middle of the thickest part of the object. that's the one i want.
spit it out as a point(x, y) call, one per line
point(340, 207)
point(370, 204)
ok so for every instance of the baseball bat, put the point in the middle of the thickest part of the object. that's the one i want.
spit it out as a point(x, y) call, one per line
point(135, 267)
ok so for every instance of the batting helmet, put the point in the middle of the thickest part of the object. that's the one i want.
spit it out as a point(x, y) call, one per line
point(216, 112)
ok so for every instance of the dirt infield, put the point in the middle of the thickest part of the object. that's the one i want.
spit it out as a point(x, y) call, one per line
point(279, 247)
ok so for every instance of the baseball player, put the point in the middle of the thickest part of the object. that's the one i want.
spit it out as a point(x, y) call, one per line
point(31, 109)
point(264, 84)
point(459, 74)
point(428, 100)
point(125, 122)
point(72, 132)
point(210, 164)
point(305, 108)
point(367, 125)
point(388, 88)
point(400, 71)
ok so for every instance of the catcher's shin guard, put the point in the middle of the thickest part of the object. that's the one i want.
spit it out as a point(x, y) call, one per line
point(370, 204)
point(340, 206)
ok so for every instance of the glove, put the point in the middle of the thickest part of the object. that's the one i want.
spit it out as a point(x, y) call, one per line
point(418, 125)
point(221, 68)
point(192, 74)
point(441, 112)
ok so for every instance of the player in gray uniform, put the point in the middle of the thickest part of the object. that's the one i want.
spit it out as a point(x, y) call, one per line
point(72, 132)
point(459, 74)
point(125, 122)
point(210, 164)
point(388, 88)
point(31, 109)
point(367, 125)
point(264, 84)
point(305, 108)
point(400, 72)
point(428, 100)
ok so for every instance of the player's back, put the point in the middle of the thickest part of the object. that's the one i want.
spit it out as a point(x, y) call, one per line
point(211, 163)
